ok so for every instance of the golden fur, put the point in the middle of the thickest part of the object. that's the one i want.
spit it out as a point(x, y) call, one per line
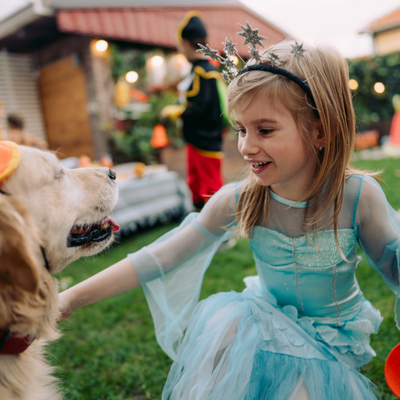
point(46, 201)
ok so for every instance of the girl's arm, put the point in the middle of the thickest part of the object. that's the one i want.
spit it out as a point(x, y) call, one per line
point(170, 269)
point(379, 226)
point(116, 279)
point(379, 236)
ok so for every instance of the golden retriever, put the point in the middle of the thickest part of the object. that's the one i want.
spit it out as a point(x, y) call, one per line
point(49, 216)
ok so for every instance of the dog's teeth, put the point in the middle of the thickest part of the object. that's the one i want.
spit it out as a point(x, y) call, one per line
point(105, 225)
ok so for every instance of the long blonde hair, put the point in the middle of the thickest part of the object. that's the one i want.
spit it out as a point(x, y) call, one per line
point(326, 72)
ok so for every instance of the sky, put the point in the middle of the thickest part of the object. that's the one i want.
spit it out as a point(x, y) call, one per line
point(334, 21)
point(311, 21)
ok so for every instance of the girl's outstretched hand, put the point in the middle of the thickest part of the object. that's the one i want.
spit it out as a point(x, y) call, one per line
point(113, 280)
point(65, 308)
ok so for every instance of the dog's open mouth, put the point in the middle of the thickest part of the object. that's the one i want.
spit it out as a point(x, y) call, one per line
point(97, 232)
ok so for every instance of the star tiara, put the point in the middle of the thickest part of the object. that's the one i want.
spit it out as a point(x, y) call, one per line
point(254, 39)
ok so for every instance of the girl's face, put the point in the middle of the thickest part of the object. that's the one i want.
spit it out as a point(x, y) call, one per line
point(271, 143)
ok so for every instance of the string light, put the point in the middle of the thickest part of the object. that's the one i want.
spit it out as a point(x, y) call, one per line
point(132, 76)
point(234, 59)
point(353, 84)
point(157, 61)
point(379, 87)
point(101, 45)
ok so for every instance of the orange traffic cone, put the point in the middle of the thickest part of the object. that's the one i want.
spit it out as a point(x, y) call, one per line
point(159, 138)
point(394, 134)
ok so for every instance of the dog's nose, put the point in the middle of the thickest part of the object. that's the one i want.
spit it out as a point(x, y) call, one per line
point(111, 174)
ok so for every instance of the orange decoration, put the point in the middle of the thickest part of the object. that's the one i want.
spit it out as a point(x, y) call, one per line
point(5, 156)
point(106, 162)
point(366, 140)
point(84, 161)
point(9, 158)
point(392, 370)
point(138, 169)
point(138, 95)
point(159, 138)
point(216, 63)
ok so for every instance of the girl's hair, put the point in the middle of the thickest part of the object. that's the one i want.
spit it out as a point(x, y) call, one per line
point(326, 72)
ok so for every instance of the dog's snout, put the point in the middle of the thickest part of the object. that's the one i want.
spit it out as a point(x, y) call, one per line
point(111, 174)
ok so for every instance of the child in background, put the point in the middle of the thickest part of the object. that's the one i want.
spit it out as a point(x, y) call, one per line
point(301, 329)
point(16, 133)
point(200, 112)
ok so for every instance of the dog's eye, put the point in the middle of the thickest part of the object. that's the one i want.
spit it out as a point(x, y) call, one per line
point(59, 174)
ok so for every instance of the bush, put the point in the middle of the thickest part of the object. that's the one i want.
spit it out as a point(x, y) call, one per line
point(370, 106)
point(134, 139)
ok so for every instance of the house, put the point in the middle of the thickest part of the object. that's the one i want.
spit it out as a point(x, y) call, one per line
point(52, 73)
point(385, 33)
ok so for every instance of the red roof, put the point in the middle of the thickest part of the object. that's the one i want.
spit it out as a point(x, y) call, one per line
point(157, 26)
point(389, 21)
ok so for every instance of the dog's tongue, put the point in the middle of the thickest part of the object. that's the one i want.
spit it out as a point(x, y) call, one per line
point(113, 225)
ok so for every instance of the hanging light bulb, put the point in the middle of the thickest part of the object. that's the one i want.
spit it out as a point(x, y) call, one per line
point(157, 61)
point(379, 87)
point(101, 45)
point(353, 84)
point(132, 76)
point(234, 59)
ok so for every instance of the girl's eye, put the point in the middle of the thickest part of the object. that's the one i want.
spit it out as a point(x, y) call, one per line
point(265, 131)
point(240, 132)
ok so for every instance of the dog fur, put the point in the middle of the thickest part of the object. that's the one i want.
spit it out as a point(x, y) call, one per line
point(45, 202)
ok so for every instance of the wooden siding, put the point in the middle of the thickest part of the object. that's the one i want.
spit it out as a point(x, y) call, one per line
point(64, 102)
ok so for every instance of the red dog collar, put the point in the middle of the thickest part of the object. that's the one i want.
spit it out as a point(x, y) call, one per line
point(14, 344)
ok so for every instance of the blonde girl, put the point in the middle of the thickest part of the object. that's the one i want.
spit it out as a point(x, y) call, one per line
point(301, 328)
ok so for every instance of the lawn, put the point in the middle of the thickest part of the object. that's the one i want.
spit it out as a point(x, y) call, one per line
point(108, 350)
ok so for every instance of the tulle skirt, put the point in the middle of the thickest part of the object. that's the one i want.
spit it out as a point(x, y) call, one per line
point(239, 346)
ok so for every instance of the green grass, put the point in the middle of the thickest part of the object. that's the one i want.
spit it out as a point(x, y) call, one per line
point(108, 350)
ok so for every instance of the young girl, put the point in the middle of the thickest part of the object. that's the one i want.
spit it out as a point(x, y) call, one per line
point(301, 329)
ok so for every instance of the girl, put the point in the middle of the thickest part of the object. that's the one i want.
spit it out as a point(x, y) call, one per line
point(301, 329)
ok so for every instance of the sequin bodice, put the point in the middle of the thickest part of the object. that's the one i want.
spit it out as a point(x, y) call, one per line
point(312, 277)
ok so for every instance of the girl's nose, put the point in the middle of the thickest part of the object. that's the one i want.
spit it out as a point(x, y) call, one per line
point(248, 145)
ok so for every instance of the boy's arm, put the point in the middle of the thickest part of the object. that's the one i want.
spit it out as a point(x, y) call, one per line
point(116, 279)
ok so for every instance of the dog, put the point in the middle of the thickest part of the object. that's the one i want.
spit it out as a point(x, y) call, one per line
point(49, 217)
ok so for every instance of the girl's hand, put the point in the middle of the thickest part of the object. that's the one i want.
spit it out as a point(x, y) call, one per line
point(65, 307)
point(116, 279)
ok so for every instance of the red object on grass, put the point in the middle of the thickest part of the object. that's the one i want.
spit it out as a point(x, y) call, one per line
point(392, 370)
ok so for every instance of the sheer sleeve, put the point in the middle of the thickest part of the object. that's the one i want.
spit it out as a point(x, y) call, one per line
point(379, 235)
point(171, 269)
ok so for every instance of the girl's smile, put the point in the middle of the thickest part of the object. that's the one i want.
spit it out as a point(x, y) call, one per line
point(270, 141)
point(259, 166)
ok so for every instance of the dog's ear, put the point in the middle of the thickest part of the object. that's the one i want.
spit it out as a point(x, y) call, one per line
point(17, 241)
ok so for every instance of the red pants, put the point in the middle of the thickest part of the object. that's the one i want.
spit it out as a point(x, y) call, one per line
point(204, 173)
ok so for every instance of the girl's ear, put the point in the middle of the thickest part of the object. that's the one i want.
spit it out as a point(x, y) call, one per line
point(318, 135)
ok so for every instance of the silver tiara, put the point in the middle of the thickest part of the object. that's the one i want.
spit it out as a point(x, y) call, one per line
point(254, 39)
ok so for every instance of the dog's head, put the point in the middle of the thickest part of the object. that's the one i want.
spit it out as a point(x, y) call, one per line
point(45, 206)
point(69, 208)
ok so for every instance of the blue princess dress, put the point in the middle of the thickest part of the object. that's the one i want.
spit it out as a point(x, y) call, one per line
point(300, 330)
